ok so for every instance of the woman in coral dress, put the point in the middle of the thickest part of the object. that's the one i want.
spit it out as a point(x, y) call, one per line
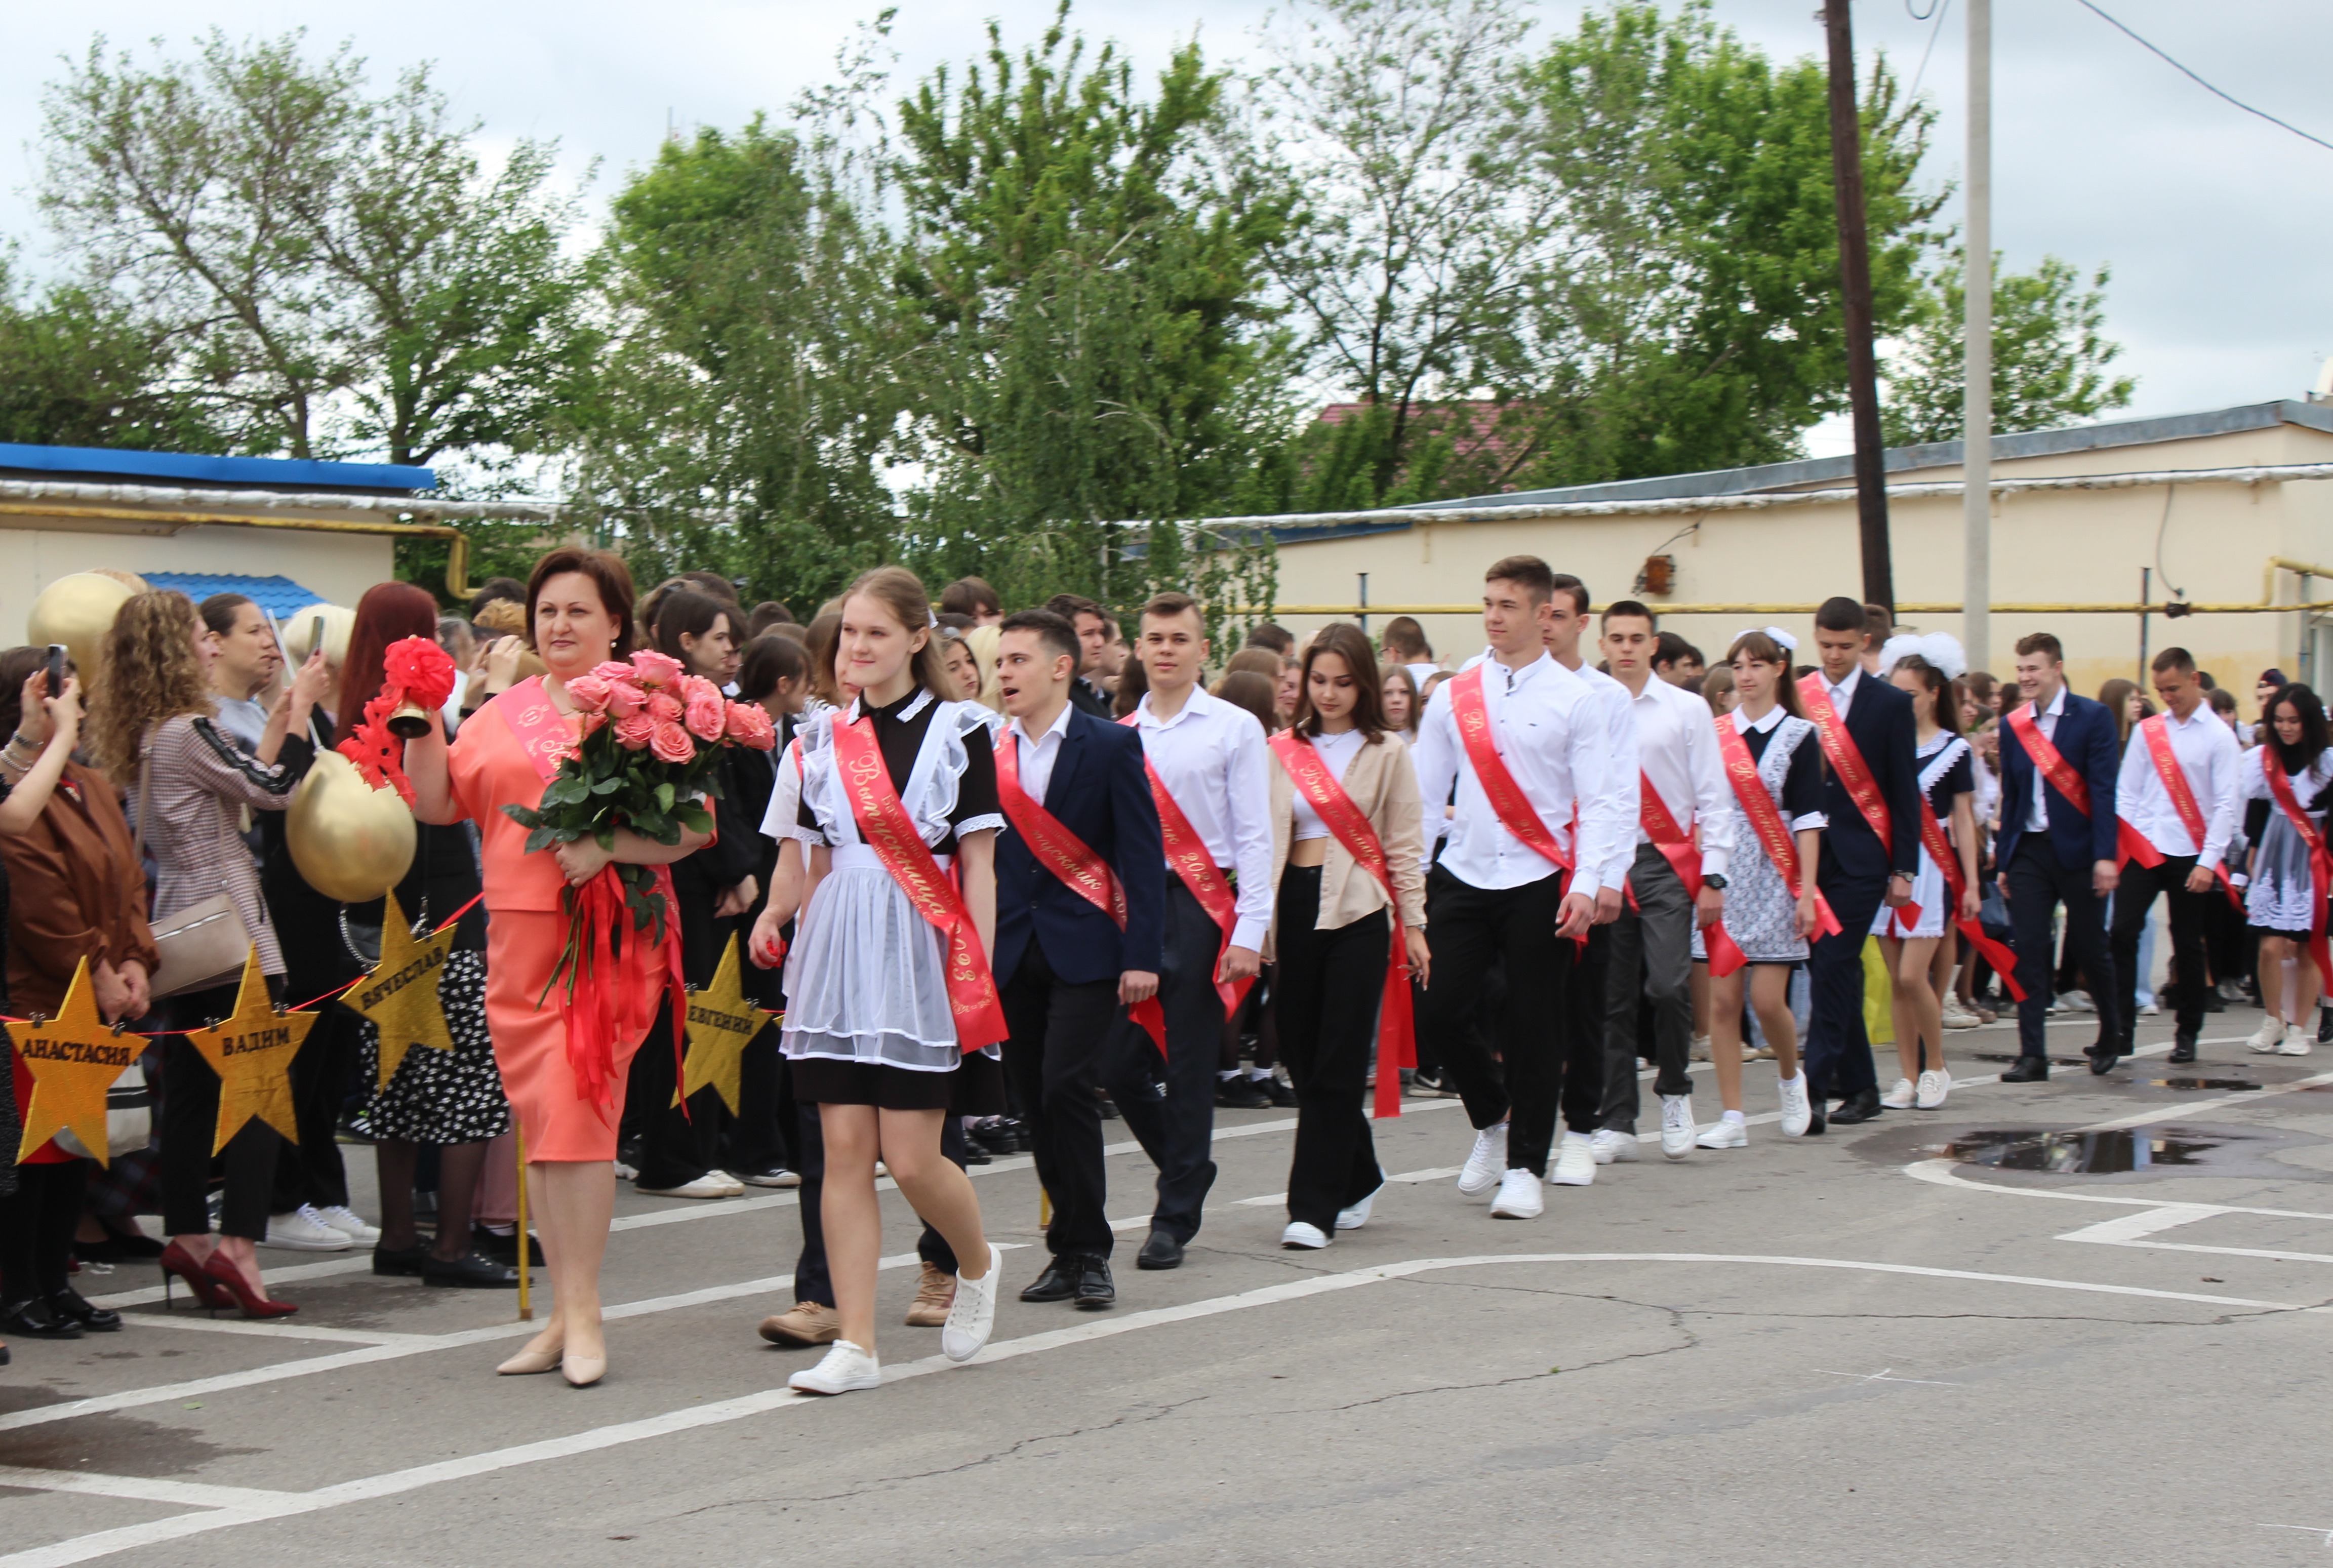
point(581, 615)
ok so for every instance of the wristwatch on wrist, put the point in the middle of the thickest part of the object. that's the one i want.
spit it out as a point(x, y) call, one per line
point(1714, 879)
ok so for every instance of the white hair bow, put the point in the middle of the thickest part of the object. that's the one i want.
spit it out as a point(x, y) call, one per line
point(1941, 649)
point(1780, 638)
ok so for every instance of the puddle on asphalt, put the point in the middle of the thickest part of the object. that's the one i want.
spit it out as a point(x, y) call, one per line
point(2238, 1084)
point(2111, 1152)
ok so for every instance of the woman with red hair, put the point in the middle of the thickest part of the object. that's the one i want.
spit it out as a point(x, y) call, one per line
point(449, 1099)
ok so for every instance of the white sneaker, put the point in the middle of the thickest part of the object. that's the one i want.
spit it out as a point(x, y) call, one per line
point(1700, 1050)
point(1797, 1114)
point(2267, 1037)
point(1357, 1216)
point(296, 1232)
point(2149, 1010)
point(1301, 1237)
point(1520, 1197)
point(1676, 1125)
point(972, 1314)
point(776, 1175)
point(1575, 1161)
point(1934, 1084)
point(846, 1366)
point(1959, 1017)
point(1488, 1164)
point(2079, 1002)
point(1608, 1145)
point(2297, 1042)
point(1731, 1132)
point(712, 1184)
point(1900, 1097)
point(342, 1219)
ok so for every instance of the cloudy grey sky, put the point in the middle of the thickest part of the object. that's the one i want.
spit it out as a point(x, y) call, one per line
point(2217, 224)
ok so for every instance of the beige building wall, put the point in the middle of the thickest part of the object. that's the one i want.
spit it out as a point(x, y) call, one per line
point(2212, 540)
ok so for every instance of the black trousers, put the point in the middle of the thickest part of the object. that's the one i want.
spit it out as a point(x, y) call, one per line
point(676, 1148)
point(1053, 1063)
point(812, 1281)
point(2038, 882)
point(2134, 897)
point(1332, 984)
point(757, 1140)
point(1651, 966)
point(36, 1229)
point(312, 1170)
point(1472, 928)
point(1838, 1047)
point(1171, 1110)
point(190, 1100)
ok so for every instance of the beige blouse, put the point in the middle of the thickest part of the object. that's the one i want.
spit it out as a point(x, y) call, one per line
point(1383, 783)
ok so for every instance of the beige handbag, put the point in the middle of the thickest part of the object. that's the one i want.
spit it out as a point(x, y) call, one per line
point(202, 946)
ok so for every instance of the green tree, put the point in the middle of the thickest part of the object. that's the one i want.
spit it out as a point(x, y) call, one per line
point(1092, 345)
point(78, 369)
point(2050, 353)
point(334, 271)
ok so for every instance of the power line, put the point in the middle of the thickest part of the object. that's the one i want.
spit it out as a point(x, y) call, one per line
point(1936, 11)
point(2206, 86)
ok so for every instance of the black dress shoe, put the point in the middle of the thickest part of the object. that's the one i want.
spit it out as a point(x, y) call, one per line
point(1240, 1093)
point(67, 1303)
point(1282, 1095)
point(1161, 1251)
point(2028, 1070)
point(1817, 1116)
point(403, 1261)
point(1863, 1105)
point(473, 1270)
point(1094, 1290)
point(1058, 1283)
point(36, 1320)
point(504, 1248)
point(2183, 1050)
point(2103, 1058)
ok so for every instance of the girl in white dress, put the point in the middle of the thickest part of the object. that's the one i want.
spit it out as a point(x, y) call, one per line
point(2282, 900)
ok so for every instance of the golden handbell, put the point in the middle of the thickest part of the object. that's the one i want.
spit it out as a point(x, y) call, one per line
point(411, 720)
point(351, 842)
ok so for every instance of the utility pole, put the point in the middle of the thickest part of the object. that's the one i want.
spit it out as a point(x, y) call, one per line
point(1855, 280)
point(1976, 358)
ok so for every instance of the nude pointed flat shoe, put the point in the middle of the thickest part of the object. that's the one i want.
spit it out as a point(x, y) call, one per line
point(527, 1361)
point(582, 1372)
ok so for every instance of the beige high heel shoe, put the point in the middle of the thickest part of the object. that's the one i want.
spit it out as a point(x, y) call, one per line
point(531, 1360)
point(582, 1372)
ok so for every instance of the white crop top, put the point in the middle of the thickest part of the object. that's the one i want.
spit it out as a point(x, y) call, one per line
point(1339, 752)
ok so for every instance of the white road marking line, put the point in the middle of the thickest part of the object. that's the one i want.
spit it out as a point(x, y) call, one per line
point(1884, 1375)
point(136, 1488)
point(265, 1331)
point(250, 1506)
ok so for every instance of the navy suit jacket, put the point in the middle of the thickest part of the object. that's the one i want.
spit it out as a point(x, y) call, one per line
point(2085, 738)
point(1879, 721)
point(1100, 791)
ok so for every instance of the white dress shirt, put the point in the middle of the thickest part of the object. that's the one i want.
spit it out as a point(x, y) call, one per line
point(2209, 756)
point(1552, 732)
point(1212, 758)
point(2037, 820)
point(1676, 748)
point(1624, 781)
point(1842, 696)
point(1038, 757)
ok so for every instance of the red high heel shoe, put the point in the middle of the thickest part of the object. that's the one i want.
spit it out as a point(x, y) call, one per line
point(179, 1263)
point(227, 1279)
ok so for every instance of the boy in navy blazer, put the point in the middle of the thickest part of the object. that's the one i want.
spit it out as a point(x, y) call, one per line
point(1076, 794)
point(2056, 847)
point(1857, 873)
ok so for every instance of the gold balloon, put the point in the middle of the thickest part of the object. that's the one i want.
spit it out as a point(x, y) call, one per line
point(78, 612)
point(352, 842)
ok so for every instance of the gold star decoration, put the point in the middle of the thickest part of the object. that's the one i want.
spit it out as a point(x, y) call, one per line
point(252, 1053)
point(721, 1024)
point(73, 1058)
point(400, 994)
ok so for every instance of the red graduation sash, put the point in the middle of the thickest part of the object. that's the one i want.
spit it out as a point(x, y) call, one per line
point(2320, 862)
point(884, 823)
point(1765, 817)
point(1515, 811)
point(2156, 731)
point(596, 1006)
point(2075, 788)
point(1072, 862)
point(1397, 1029)
point(1940, 850)
point(1676, 848)
point(1847, 761)
point(1187, 858)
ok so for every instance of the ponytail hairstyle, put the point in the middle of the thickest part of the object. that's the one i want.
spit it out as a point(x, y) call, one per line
point(901, 592)
point(1764, 649)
